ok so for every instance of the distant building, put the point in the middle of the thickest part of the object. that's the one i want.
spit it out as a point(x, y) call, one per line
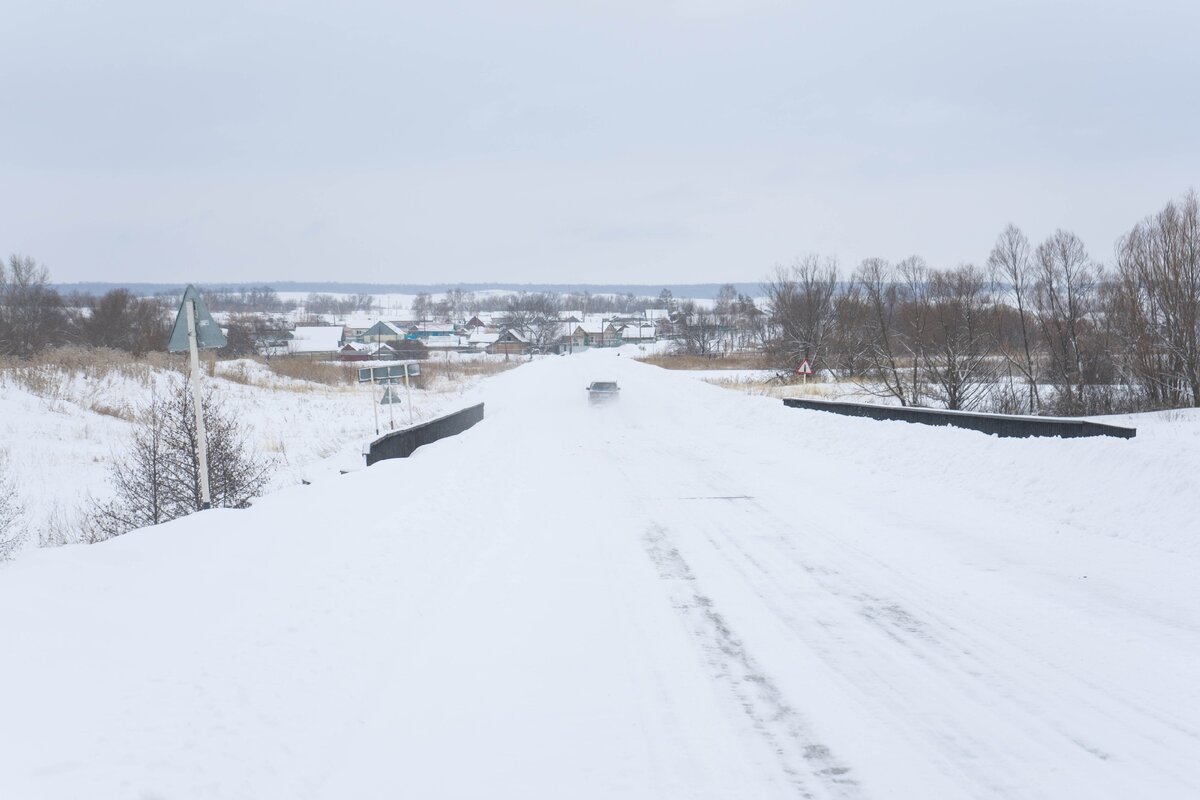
point(382, 331)
point(638, 333)
point(509, 342)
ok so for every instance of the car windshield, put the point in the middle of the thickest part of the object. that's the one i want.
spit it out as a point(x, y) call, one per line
point(603, 386)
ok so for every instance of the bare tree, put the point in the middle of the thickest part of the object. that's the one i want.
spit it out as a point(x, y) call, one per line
point(32, 316)
point(240, 336)
point(122, 321)
point(751, 327)
point(879, 340)
point(801, 302)
point(1064, 297)
point(422, 306)
point(957, 356)
point(1012, 268)
point(699, 331)
point(916, 312)
point(1156, 303)
point(723, 305)
point(159, 478)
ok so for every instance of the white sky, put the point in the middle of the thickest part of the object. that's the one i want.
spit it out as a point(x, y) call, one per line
point(579, 142)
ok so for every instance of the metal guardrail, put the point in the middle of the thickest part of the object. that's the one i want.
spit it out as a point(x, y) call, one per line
point(402, 444)
point(1003, 425)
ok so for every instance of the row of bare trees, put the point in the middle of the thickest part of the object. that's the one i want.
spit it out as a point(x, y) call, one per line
point(1043, 329)
point(34, 316)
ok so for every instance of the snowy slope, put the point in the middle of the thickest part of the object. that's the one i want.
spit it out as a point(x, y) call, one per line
point(689, 594)
point(59, 445)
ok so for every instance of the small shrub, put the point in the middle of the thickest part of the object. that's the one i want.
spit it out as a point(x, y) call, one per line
point(158, 479)
point(12, 532)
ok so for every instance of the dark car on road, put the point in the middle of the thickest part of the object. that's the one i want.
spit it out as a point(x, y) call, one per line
point(603, 391)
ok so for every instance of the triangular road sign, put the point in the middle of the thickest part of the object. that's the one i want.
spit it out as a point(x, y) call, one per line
point(805, 368)
point(389, 397)
point(208, 333)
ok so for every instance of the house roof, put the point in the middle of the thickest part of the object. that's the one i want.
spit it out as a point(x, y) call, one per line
point(315, 339)
point(384, 328)
point(482, 337)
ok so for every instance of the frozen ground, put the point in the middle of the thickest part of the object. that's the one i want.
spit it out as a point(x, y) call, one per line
point(690, 594)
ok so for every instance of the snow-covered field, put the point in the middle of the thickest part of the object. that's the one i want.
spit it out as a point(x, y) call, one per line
point(692, 593)
point(60, 439)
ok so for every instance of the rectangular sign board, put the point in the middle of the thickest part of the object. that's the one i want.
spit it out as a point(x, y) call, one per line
point(388, 373)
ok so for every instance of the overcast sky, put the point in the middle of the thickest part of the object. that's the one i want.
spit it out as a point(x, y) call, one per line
point(628, 141)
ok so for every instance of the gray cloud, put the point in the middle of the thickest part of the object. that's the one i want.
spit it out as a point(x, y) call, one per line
point(583, 142)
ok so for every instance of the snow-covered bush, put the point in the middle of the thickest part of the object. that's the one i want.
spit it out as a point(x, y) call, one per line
point(12, 532)
point(158, 478)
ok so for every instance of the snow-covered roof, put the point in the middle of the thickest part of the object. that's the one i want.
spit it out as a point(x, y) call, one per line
point(315, 339)
point(482, 337)
point(487, 316)
point(385, 328)
point(591, 327)
point(442, 342)
point(359, 323)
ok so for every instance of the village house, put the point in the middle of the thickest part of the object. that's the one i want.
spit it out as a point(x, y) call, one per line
point(481, 338)
point(595, 334)
point(509, 342)
point(638, 333)
point(382, 331)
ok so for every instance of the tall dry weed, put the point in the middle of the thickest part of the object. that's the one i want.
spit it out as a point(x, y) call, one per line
point(329, 373)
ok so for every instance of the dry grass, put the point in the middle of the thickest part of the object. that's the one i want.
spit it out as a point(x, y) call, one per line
point(775, 387)
point(39, 374)
point(237, 373)
point(327, 373)
point(434, 371)
point(731, 361)
point(467, 368)
point(119, 411)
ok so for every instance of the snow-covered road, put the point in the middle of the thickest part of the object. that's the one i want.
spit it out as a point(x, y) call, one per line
point(689, 594)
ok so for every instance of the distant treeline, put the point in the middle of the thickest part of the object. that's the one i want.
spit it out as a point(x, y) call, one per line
point(694, 290)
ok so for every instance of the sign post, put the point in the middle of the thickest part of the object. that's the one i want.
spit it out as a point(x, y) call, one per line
point(390, 376)
point(391, 401)
point(195, 328)
point(374, 408)
point(408, 393)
